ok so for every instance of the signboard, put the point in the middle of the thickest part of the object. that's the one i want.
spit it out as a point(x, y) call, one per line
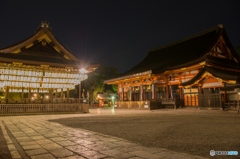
point(194, 90)
point(190, 90)
point(186, 90)
point(145, 106)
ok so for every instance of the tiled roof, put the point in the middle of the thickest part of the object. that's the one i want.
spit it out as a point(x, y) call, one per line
point(185, 51)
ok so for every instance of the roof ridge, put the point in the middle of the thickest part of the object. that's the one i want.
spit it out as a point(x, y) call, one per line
point(187, 38)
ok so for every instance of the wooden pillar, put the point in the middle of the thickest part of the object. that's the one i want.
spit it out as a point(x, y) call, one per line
point(6, 94)
point(180, 88)
point(22, 92)
point(141, 93)
point(131, 94)
point(61, 93)
point(180, 92)
point(167, 87)
point(153, 91)
point(37, 93)
point(200, 90)
point(80, 90)
point(224, 96)
point(50, 95)
point(122, 94)
point(144, 94)
point(55, 93)
point(68, 94)
point(29, 93)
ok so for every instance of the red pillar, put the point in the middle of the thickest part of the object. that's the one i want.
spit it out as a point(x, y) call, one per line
point(153, 90)
point(143, 94)
point(130, 94)
point(201, 91)
point(167, 86)
point(224, 96)
point(122, 94)
point(180, 91)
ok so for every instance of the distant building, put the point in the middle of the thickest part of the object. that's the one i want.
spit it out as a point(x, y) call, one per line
point(191, 69)
point(104, 100)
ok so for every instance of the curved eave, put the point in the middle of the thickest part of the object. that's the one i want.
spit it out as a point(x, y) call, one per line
point(195, 78)
point(59, 45)
point(224, 75)
point(223, 62)
point(137, 75)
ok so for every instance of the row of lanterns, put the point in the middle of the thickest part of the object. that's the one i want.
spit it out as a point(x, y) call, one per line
point(33, 90)
point(40, 73)
point(39, 79)
point(35, 85)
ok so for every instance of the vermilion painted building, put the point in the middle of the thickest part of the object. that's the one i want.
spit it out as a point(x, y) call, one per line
point(193, 69)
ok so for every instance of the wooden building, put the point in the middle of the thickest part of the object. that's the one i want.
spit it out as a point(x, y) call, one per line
point(193, 69)
point(104, 100)
point(40, 64)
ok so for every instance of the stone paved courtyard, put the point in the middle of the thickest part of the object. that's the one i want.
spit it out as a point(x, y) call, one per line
point(36, 136)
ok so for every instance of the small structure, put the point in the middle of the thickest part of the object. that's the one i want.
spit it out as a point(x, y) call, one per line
point(40, 64)
point(191, 71)
point(104, 100)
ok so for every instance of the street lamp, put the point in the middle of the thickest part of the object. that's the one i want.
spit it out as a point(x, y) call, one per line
point(82, 70)
point(113, 100)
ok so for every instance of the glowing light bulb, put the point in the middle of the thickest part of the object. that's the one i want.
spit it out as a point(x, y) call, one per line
point(82, 70)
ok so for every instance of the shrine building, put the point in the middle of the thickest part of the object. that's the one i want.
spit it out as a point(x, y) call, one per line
point(192, 70)
point(40, 64)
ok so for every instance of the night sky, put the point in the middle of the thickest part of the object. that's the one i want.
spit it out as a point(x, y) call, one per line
point(117, 32)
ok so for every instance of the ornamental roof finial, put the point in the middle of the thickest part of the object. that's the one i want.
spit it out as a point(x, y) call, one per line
point(45, 24)
point(220, 25)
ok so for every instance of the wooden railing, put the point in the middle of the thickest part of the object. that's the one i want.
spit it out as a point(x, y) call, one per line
point(43, 108)
point(210, 100)
point(41, 101)
point(152, 104)
point(231, 105)
point(132, 104)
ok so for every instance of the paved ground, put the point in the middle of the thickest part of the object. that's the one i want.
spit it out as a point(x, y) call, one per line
point(195, 132)
point(37, 137)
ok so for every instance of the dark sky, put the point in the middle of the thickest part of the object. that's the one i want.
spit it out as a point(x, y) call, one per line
point(117, 32)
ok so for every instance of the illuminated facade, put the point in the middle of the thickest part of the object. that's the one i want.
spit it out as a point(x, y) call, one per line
point(193, 69)
point(41, 64)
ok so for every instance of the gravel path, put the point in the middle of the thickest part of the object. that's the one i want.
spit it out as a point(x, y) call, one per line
point(191, 132)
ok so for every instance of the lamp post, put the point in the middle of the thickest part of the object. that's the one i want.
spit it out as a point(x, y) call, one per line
point(113, 100)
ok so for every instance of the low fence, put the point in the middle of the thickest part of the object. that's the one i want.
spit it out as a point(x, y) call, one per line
point(146, 105)
point(210, 101)
point(41, 101)
point(42, 108)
